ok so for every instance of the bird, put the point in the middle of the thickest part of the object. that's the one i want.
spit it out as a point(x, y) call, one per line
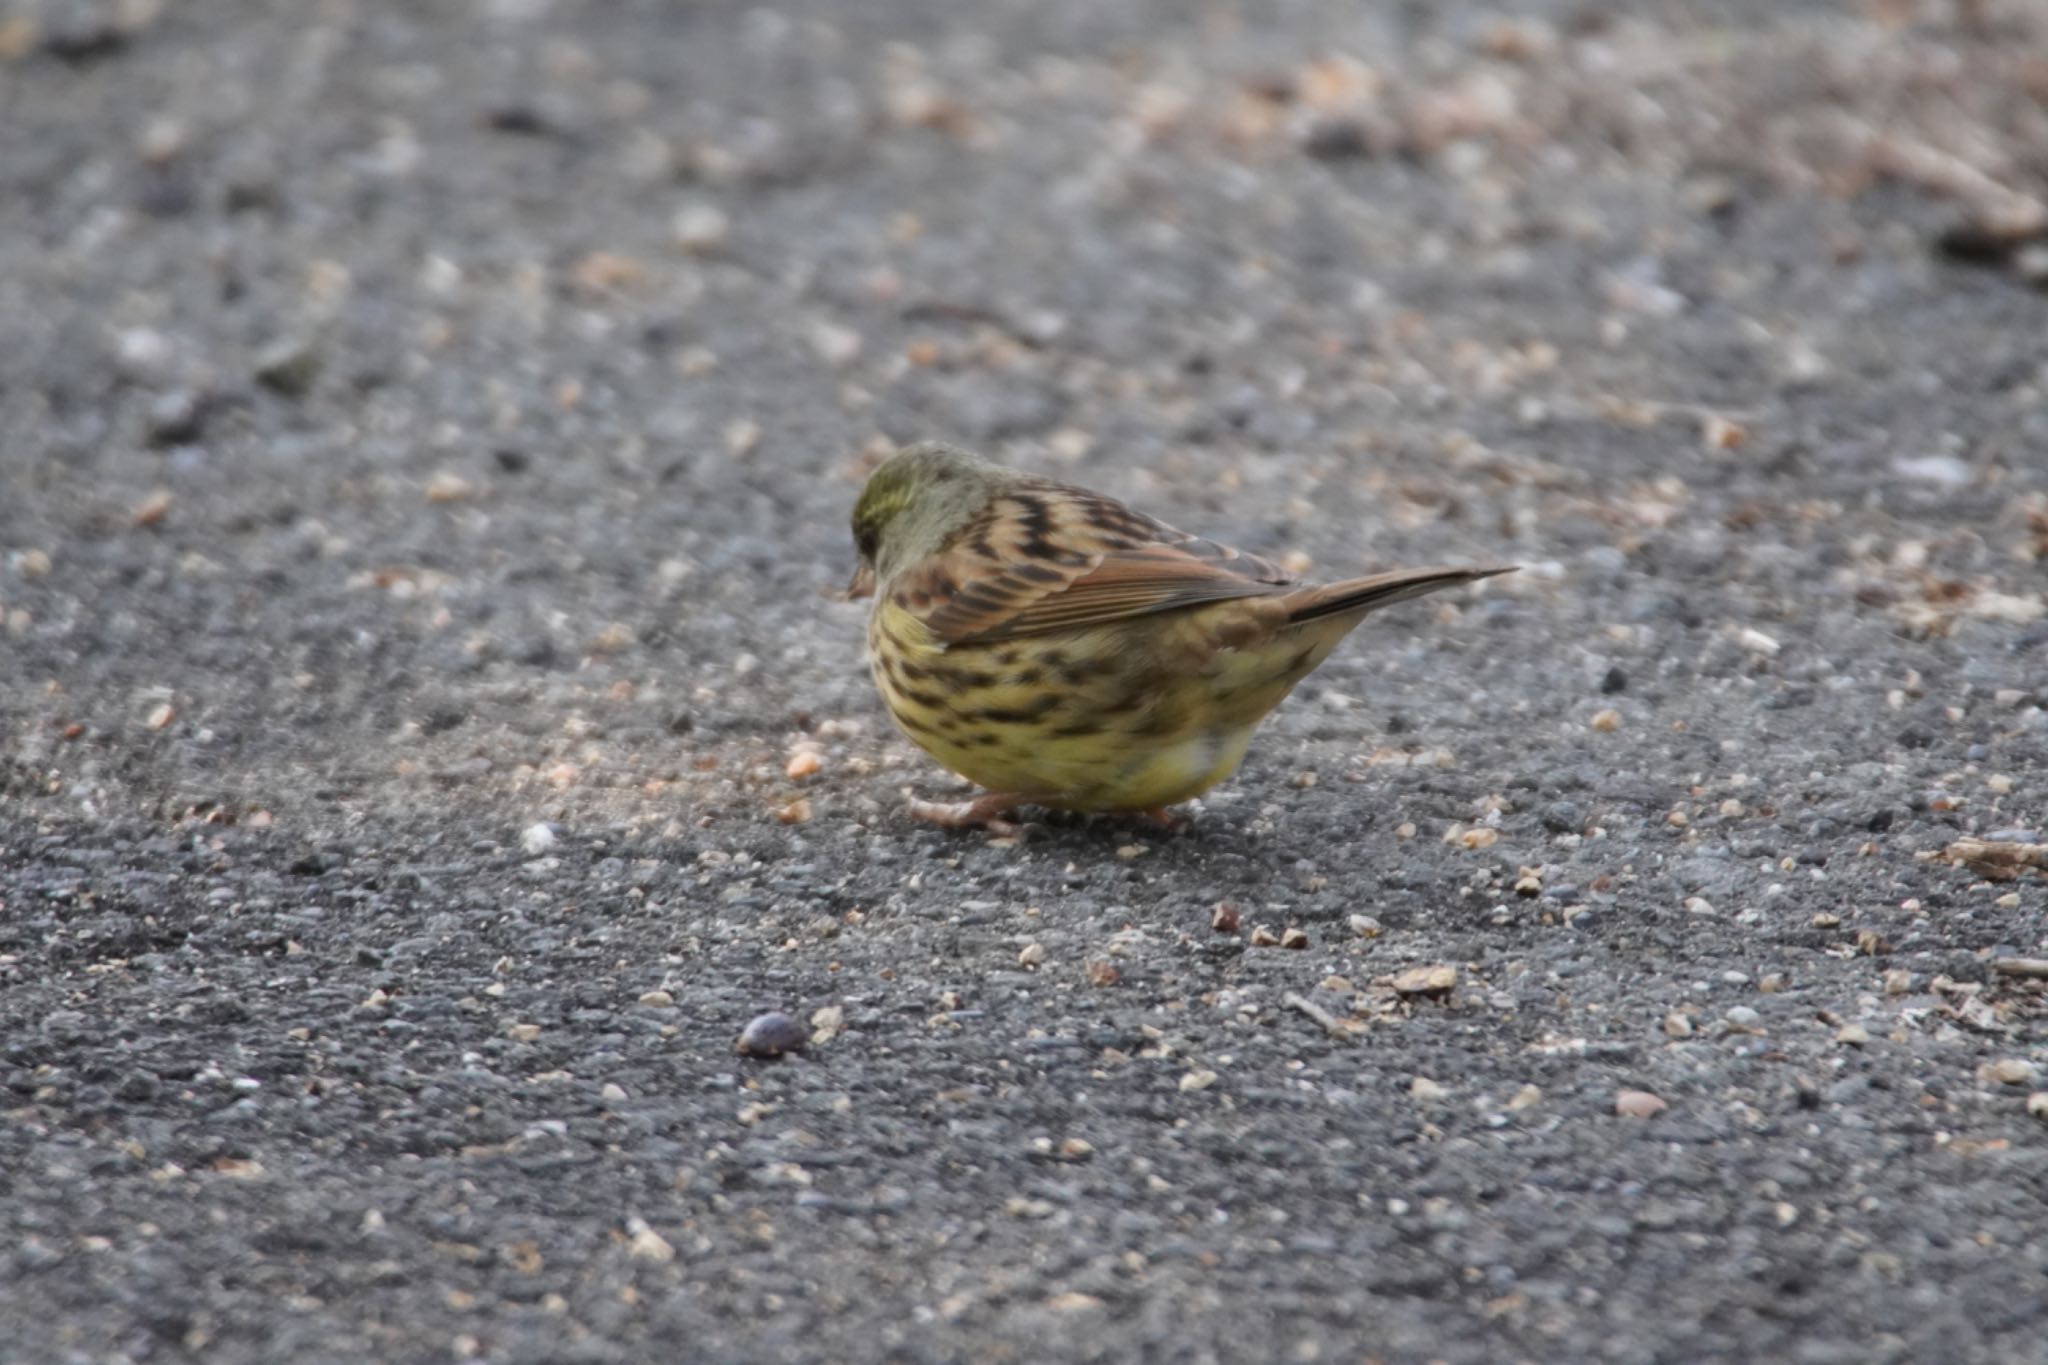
point(1062, 650)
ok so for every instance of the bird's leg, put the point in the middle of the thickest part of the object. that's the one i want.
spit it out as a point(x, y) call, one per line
point(1164, 819)
point(987, 811)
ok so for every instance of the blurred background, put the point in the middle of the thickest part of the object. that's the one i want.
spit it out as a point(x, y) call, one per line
point(427, 434)
point(372, 372)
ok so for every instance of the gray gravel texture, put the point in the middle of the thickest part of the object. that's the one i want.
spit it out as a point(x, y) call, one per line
point(428, 433)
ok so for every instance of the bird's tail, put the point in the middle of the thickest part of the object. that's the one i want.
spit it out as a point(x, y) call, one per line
point(1362, 595)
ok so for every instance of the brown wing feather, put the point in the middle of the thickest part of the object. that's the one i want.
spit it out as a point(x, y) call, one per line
point(1044, 556)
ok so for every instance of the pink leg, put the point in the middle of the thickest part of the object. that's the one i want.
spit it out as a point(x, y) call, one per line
point(1164, 818)
point(986, 811)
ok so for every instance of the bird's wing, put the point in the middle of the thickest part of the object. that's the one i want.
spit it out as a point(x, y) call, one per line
point(1044, 556)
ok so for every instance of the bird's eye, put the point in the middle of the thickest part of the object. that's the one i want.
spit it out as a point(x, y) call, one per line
point(867, 539)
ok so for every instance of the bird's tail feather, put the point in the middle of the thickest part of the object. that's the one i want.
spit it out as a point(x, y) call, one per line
point(1380, 590)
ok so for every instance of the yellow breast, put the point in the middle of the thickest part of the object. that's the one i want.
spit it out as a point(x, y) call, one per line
point(1119, 717)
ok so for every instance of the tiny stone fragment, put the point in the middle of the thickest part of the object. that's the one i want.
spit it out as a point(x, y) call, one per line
point(1262, 937)
point(2010, 1071)
point(447, 486)
point(1031, 955)
point(826, 1022)
point(1224, 919)
point(153, 508)
point(288, 367)
point(1294, 938)
point(1431, 981)
point(1101, 973)
point(1756, 642)
point(700, 227)
point(646, 1244)
point(1607, 720)
point(1638, 1104)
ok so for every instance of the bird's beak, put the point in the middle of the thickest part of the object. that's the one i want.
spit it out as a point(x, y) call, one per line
point(862, 583)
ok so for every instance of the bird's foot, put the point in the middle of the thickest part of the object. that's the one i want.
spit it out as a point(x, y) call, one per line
point(1162, 818)
point(986, 811)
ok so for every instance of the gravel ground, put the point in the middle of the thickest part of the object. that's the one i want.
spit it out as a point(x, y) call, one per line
point(428, 438)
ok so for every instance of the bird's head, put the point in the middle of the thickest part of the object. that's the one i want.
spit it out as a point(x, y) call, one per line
point(911, 504)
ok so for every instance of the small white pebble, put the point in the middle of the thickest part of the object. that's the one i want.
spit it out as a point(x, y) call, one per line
point(2010, 1071)
point(699, 227)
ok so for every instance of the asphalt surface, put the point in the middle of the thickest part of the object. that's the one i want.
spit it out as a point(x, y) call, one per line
point(426, 740)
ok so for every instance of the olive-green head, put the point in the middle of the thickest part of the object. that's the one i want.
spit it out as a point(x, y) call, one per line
point(913, 501)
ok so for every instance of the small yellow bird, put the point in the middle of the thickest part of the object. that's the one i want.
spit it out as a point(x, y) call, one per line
point(1058, 648)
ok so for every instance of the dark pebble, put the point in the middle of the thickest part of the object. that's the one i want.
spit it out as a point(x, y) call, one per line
point(772, 1034)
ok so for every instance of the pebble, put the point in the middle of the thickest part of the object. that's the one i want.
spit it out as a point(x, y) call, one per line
point(647, 1244)
point(700, 228)
point(1742, 1016)
point(1438, 980)
point(445, 486)
point(826, 1023)
point(175, 418)
point(538, 838)
point(834, 344)
point(1638, 1104)
point(2010, 1071)
point(771, 1035)
point(1756, 642)
point(1224, 919)
point(1852, 1035)
point(1607, 721)
point(1031, 955)
point(1365, 926)
point(288, 367)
